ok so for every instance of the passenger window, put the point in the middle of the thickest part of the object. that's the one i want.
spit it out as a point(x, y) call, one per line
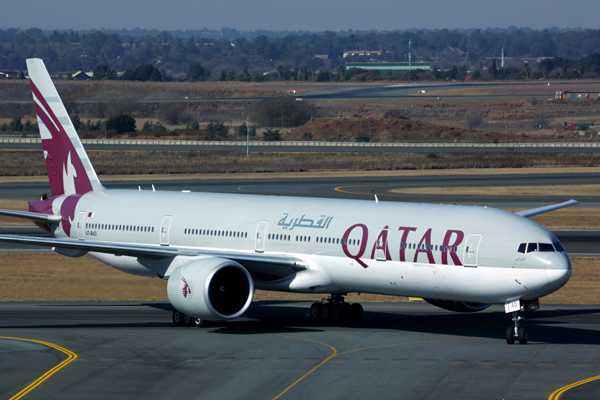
point(531, 247)
point(522, 248)
point(546, 247)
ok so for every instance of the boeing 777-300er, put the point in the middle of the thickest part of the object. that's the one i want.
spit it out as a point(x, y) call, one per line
point(216, 249)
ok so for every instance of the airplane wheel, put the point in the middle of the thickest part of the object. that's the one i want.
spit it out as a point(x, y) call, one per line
point(358, 312)
point(336, 313)
point(522, 336)
point(315, 311)
point(187, 320)
point(348, 312)
point(326, 312)
point(177, 318)
point(510, 338)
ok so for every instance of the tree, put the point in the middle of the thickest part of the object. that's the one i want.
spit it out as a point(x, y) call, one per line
point(156, 76)
point(196, 72)
point(526, 71)
point(494, 70)
point(121, 123)
point(16, 125)
point(173, 113)
point(100, 71)
point(272, 135)
point(282, 111)
point(223, 75)
point(242, 130)
point(474, 118)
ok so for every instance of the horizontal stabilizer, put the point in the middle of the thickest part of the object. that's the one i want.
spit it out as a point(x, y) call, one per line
point(32, 216)
point(545, 209)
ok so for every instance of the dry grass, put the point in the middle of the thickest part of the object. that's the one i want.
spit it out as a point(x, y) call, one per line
point(52, 277)
point(555, 190)
point(30, 163)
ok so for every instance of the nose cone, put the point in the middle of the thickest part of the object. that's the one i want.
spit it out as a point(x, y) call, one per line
point(558, 270)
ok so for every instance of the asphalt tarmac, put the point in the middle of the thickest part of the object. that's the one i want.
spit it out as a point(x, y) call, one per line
point(400, 350)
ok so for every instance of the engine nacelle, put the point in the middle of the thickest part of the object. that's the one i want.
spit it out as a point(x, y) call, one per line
point(211, 288)
point(458, 306)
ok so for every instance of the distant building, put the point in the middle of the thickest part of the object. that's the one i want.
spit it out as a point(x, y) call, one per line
point(353, 53)
point(82, 76)
point(5, 73)
point(566, 95)
point(394, 67)
point(322, 56)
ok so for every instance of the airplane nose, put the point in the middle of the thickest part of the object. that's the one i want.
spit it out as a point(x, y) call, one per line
point(558, 269)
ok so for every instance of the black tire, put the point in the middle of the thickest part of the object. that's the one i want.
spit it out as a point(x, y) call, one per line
point(177, 318)
point(187, 320)
point(326, 312)
point(337, 313)
point(358, 312)
point(315, 311)
point(510, 336)
point(522, 336)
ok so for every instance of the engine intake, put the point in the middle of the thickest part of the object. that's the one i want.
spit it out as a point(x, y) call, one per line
point(458, 306)
point(211, 288)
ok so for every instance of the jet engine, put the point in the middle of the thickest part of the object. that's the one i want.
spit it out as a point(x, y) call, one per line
point(458, 306)
point(214, 289)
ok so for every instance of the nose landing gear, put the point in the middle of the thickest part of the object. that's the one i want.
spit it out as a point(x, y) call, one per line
point(519, 333)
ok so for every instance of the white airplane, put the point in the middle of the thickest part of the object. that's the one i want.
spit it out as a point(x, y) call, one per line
point(215, 249)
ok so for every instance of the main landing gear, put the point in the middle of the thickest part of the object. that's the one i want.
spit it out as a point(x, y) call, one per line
point(335, 309)
point(180, 319)
point(518, 332)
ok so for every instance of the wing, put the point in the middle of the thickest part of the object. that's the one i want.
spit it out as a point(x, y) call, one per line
point(272, 266)
point(32, 216)
point(545, 209)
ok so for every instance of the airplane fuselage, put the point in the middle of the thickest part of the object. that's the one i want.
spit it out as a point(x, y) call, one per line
point(449, 252)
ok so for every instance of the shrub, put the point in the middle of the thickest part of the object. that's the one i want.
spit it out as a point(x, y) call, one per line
point(283, 111)
point(120, 124)
point(272, 135)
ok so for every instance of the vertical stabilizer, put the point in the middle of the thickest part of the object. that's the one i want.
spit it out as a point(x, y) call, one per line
point(69, 168)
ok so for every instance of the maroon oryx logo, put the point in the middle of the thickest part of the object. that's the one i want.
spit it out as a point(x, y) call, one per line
point(186, 288)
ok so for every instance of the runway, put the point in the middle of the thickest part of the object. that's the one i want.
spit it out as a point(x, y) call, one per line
point(400, 350)
point(362, 188)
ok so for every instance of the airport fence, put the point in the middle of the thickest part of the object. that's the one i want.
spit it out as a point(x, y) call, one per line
point(292, 143)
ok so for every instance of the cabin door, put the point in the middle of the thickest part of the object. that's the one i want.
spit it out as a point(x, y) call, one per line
point(80, 219)
point(471, 250)
point(261, 232)
point(165, 226)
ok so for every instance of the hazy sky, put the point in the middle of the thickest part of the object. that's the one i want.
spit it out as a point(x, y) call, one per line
point(310, 15)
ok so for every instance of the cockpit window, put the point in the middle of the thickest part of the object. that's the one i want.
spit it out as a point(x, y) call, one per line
point(522, 248)
point(558, 246)
point(531, 247)
point(546, 247)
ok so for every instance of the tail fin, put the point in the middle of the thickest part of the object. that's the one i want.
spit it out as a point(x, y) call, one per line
point(69, 168)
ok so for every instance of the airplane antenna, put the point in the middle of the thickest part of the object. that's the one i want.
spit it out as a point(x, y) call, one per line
point(376, 199)
point(140, 188)
point(154, 190)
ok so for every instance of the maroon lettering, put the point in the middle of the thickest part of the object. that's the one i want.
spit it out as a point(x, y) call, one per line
point(363, 244)
point(426, 241)
point(450, 247)
point(381, 243)
point(405, 231)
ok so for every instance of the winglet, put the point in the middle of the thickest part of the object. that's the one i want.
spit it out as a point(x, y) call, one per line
point(69, 168)
point(545, 209)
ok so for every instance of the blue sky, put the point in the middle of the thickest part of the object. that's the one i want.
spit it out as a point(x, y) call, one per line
point(309, 15)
